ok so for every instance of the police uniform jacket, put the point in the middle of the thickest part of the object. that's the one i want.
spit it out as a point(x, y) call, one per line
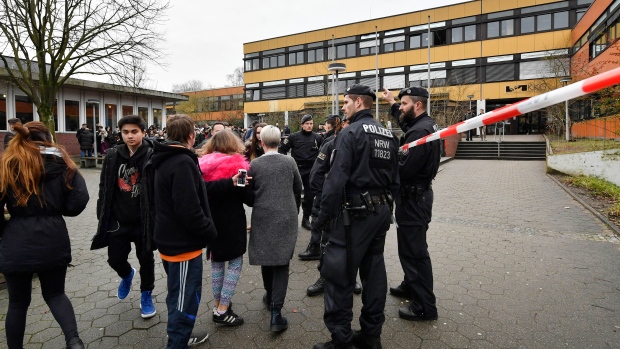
point(419, 165)
point(305, 147)
point(364, 160)
point(322, 163)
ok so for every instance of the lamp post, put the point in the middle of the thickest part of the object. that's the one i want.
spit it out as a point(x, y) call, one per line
point(93, 102)
point(564, 82)
point(336, 67)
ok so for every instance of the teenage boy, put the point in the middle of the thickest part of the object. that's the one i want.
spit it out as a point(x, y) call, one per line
point(183, 225)
point(122, 211)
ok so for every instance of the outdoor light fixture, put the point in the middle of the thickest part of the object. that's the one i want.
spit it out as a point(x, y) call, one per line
point(564, 82)
point(335, 67)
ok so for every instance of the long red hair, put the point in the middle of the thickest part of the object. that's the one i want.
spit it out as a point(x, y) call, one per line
point(22, 165)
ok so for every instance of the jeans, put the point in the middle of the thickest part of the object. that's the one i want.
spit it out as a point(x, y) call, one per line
point(275, 281)
point(83, 153)
point(184, 292)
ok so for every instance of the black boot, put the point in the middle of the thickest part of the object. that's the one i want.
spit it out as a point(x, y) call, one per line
point(312, 252)
point(402, 291)
point(278, 322)
point(362, 341)
point(305, 222)
point(316, 288)
point(75, 343)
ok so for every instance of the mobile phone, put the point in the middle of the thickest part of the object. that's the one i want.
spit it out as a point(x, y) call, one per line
point(242, 178)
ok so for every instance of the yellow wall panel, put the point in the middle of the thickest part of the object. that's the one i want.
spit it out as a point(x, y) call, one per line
point(544, 42)
point(525, 43)
point(471, 8)
point(490, 6)
point(508, 45)
point(414, 19)
point(400, 59)
point(456, 11)
point(490, 47)
point(441, 53)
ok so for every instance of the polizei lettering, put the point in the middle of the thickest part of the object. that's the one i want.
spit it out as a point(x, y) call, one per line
point(377, 130)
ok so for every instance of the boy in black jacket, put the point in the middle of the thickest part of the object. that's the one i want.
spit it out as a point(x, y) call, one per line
point(183, 225)
point(122, 211)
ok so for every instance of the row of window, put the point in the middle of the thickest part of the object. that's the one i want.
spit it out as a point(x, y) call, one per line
point(24, 110)
point(610, 13)
point(605, 39)
point(344, 48)
point(219, 103)
point(457, 76)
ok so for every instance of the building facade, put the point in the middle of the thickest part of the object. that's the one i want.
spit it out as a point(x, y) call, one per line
point(489, 53)
point(78, 101)
point(223, 104)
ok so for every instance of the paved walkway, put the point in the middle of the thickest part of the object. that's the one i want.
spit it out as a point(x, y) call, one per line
point(517, 262)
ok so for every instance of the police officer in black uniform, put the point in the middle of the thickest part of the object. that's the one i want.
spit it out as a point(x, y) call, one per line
point(417, 168)
point(305, 145)
point(317, 177)
point(356, 197)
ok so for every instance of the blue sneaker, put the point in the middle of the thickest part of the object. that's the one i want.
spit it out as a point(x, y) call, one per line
point(125, 287)
point(146, 305)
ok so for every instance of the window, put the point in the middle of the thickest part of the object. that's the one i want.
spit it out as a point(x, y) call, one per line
point(316, 89)
point(127, 110)
point(580, 14)
point(368, 51)
point(157, 117)
point(344, 51)
point(295, 91)
point(543, 22)
point(295, 58)
point(396, 43)
point(467, 33)
point(316, 55)
point(464, 76)
point(394, 81)
point(252, 64)
point(500, 28)
point(274, 93)
point(560, 20)
point(542, 69)
point(24, 109)
point(528, 25)
point(226, 102)
point(90, 109)
point(252, 95)
point(508, 27)
point(418, 41)
point(110, 110)
point(72, 115)
point(500, 72)
point(274, 61)
point(143, 112)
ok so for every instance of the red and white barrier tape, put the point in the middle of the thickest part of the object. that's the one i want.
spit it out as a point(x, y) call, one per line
point(578, 89)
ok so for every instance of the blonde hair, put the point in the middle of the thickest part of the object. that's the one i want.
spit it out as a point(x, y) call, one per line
point(225, 141)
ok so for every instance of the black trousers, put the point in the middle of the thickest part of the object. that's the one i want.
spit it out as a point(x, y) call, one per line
point(120, 237)
point(275, 281)
point(318, 234)
point(368, 242)
point(306, 205)
point(413, 252)
point(19, 287)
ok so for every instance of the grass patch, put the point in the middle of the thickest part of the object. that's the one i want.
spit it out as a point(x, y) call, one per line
point(599, 187)
point(582, 145)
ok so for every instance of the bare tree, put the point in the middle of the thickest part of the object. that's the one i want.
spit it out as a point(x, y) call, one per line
point(188, 86)
point(53, 40)
point(134, 75)
point(236, 78)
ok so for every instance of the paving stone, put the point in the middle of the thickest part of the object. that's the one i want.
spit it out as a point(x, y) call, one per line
point(512, 269)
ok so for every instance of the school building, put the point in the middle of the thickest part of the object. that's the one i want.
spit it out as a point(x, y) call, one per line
point(489, 53)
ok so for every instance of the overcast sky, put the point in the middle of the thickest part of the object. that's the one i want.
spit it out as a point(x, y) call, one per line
point(204, 39)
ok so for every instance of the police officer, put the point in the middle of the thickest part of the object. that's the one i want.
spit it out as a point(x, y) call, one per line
point(305, 145)
point(317, 177)
point(356, 197)
point(417, 168)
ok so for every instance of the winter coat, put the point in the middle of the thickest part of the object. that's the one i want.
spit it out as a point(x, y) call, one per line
point(107, 182)
point(86, 139)
point(277, 195)
point(36, 238)
point(226, 204)
point(182, 217)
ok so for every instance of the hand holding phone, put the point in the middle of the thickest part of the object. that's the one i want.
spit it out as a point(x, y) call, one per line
point(241, 178)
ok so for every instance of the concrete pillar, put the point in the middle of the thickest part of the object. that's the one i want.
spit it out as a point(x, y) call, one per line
point(286, 117)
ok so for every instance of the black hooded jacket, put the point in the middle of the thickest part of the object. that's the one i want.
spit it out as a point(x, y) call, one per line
point(183, 220)
point(36, 237)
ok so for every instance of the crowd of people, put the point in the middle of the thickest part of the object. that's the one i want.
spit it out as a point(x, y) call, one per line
point(182, 190)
